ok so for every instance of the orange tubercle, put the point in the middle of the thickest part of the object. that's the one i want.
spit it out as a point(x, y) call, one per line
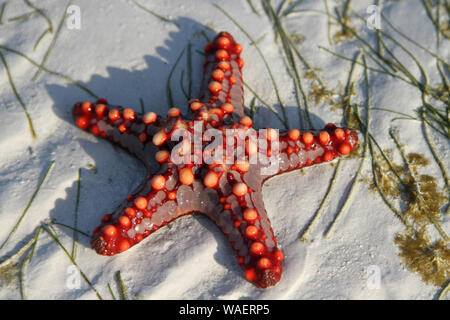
point(339, 134)
point(186, 176)
point(124, 222)
point(149, 118)
point(307, 138)
point(257, 248)
point(324, 137)
point(83, 122)
point(109, 231)
point(294, 134)
point(141, 203)
point(344, 148)
point(114, 115)
point(223, 42)
point(128, 114)
point(224, 66)
point(158, 182)
point(222, 55)
point(214, 87)
point(211, 179)
point(162, 156)
point(218, 75)
point(240, 189)
point(227, 107)
point(264, 263)
point(242, 166)
point(251, 232)
point(250, 215)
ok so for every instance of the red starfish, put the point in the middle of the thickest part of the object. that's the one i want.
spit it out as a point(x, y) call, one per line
point(229, 194)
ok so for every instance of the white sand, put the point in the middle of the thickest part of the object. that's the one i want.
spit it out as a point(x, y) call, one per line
point(122, 53)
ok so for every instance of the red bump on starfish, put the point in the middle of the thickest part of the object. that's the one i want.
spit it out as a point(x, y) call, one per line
point(242, 166)
point(308, 138)
point(149, 118)
point(264, 263)
point(186, 176)
point(257, 248)
point(339, 134)
point(251, 232)
point(238, 48)
point(324, 137)
point(172, 195)
point(218, 75)
point(214, 87)
point(87, 107)
point(160, 137)
point(251, 147)
point(122, 127)
point(83, 122)
point(294, 134)
point(158, 182)
point(250, 274)
point(246, 121)
point(240, 63)
point(224, 66)
point(279, 256)
point(95, 130)
point(344, 148)
point(227, 107)
point(328, 156)
point(240, 189)
point(128, 114)
point(196, 105)
point(109, 231)
point(271, 134)
point(223, 42)
point(173, 113)
point(250, 215)
point(106, 218)
point(124, 222)
point(211, 179)
point(141, 203)
point(162, 156)
point(217, 190)
point(209, 47)
point(217, 111)
point(123, 245)
point(100, 110)
point(143, 137)
point(102, 101)
point(222, 55)
point(130, 212)
point(114, 115)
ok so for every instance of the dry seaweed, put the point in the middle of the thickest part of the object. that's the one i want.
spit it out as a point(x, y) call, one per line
point(431, 260)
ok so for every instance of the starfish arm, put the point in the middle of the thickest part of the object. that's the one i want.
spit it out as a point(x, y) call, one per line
point(237, 208)
point(300, 149)
point(222, 79)
point(122, 126)
point(159, 200)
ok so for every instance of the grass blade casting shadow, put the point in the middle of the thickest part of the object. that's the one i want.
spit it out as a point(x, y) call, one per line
point(52, 44)
point(16, 226)
point(13, 87)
